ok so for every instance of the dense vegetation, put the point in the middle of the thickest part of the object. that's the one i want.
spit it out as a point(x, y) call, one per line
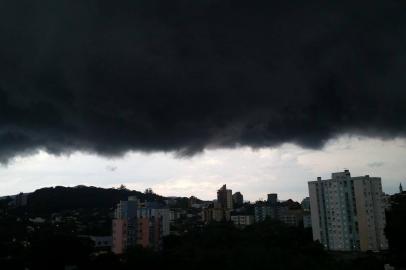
point(396, 230)
point(268, 245)
point(56, 199)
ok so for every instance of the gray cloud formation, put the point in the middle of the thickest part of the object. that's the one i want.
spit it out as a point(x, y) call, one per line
point(157, 75)
point(376, 164)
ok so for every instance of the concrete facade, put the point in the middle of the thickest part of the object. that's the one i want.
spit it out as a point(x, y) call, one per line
point(238, 198)
point(139, 224)
point(225, 197)
point(348, 213)
point(242, 220)
point(119, 242)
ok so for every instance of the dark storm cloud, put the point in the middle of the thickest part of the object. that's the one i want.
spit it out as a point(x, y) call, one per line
point(171, 75)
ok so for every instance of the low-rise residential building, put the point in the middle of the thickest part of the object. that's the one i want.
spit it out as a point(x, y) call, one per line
point(100, 242)
point(215, 214)
point(291, 217)
point(263, 211)
point(242, 221)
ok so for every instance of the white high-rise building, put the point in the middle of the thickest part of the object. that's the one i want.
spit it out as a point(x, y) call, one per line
point(348, 213)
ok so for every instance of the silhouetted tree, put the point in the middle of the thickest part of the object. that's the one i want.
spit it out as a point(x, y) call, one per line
point(396, 229)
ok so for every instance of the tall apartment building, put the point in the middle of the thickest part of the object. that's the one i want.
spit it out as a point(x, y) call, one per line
point(238, 199)
point(305, 204)
point(272, 199)
point(225, 197)
point(268, 209)
point(307, 220)
point(348, 213)
point(138, 224)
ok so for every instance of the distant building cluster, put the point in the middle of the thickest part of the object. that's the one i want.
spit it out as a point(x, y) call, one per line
point(221, 209)
point(288, 212)
point(231, 207)
point(145, 224)
point(345, 213)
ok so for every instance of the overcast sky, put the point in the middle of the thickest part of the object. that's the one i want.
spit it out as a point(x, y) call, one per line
point(284, 170)
point(203, 81)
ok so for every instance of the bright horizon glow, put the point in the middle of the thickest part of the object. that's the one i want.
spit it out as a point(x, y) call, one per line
point(255, 173)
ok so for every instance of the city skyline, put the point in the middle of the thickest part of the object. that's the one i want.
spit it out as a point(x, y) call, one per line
point(117, 116)
point(159, 94)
